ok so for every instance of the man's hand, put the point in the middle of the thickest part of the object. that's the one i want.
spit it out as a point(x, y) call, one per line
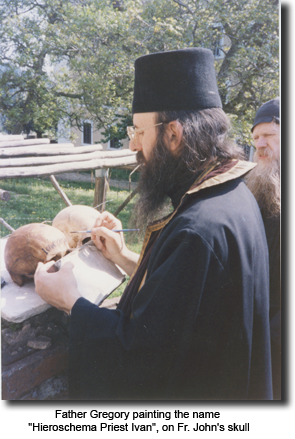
point(59, 289)
point(112, 244)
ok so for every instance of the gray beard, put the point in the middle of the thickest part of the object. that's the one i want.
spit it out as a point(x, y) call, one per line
point(264, 183)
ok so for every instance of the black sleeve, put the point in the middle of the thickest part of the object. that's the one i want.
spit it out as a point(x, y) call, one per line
point(112, 356)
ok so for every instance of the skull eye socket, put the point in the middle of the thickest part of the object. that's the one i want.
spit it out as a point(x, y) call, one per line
point(56, 257)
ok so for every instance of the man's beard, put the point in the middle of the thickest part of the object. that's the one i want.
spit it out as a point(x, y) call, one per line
point(264, 182)
point(159, 175)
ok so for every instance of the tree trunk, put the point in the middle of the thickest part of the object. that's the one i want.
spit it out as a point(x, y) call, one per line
point(18, 128)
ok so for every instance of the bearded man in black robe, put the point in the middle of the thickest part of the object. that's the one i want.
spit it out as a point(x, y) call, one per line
point(265, 184)
point(192, 323)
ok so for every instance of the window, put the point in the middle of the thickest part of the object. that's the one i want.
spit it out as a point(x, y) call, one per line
point(87, 133)
point(114, 143)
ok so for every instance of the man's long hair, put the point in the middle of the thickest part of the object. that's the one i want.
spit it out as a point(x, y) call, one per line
point(205, 140)
point(206, 136)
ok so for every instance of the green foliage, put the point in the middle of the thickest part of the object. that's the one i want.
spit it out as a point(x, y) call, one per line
point(123, 174)
point(117, 130)
point(246, 33)
point(28, 38)
point(71, 59)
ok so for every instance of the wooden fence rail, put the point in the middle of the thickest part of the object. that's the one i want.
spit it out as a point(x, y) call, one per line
point(22, 157)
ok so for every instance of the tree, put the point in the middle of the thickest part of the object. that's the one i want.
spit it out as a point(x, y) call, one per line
point(71, 58)
point(28, 38)
point(248, 75)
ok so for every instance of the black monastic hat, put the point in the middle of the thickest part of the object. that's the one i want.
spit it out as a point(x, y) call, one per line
point(268, 112)
point(176, 80)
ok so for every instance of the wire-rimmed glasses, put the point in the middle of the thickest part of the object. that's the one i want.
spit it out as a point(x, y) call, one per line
point(133, 132)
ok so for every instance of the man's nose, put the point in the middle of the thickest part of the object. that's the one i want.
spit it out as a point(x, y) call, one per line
point(261, 142)
point(134, 147)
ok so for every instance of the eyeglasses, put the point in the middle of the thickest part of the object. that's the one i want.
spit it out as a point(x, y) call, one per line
point(132, 132)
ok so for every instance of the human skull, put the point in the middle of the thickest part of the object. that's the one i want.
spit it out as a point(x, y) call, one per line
point(31, 244)
point(76, 218)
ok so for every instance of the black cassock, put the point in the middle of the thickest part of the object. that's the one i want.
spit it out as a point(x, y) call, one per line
point(198, 328)
point(273, 237)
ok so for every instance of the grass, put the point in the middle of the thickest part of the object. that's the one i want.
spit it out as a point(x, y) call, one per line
point(119, 174)
point(36, 200)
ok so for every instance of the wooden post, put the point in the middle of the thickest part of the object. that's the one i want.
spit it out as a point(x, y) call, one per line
point(60, 191)
point(101, 176)
point(4, 195)
point(6, 225)
point(129, 198)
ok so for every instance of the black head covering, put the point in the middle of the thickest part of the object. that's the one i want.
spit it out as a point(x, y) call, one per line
point(268, 112)
point(176, 80)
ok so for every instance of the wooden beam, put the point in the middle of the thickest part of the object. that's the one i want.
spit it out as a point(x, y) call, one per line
point(6, 225)
point(129, 198)
point(5, 137)
point(60, 191)
point(24, 142)
point(42, 149)
point(34, 171)
point(53, 149)
point(33, 161)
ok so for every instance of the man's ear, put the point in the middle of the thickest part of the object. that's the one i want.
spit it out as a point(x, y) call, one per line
point(174, 132)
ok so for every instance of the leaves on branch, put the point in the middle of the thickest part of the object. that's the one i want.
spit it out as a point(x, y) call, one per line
point(74, 59)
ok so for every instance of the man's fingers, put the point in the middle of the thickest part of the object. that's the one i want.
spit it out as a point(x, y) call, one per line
point(67, 267)
point(44, 267)
point(97, 222)
point(48, 267)
point(109, 221)
point(98, 230)
point(107, 241)
point(52, 269)
point(107, 216)
point(39, 267)
point(98, 236)
point(103, 232)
